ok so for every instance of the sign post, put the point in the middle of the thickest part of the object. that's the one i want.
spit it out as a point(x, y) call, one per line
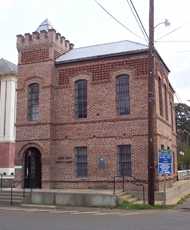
point(165, 167)
point(165, 164)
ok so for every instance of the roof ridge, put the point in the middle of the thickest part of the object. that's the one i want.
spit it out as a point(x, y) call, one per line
point(107, 43)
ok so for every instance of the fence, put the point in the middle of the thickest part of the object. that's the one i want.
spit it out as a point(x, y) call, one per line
point(183, 174)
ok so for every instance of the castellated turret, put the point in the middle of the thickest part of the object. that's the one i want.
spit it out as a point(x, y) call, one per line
point(42, 45)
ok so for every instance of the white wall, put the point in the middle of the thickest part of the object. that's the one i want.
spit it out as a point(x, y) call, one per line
point(7, 108)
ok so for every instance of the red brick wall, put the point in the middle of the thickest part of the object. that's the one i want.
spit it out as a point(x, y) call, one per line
point(7, 155)
point(36, 55)
point(165, 133)
point(58, 132)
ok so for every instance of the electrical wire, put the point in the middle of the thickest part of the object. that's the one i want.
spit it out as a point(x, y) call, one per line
point(135, 16)
point(138, 19)
point(183, 51)
point(187, 41)
point(115, 19)
point(143, 30)
point(178, 98)
point(167, 34)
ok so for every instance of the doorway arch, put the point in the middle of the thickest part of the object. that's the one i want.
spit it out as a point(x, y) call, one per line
point(32, 168)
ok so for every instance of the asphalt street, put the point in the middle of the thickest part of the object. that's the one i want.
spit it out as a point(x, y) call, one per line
point(94, 220)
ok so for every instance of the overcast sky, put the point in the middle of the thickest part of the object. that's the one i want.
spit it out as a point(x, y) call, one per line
point(84, 23)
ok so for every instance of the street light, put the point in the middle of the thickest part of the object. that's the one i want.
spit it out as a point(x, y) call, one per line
point(165, 22)
point(151, 107)
point(151, 103)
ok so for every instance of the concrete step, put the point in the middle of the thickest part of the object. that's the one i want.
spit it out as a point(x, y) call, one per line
point(127, 197)
point(38, 206)
point(14, 197)
point(5, 197)
point(9, 194)
point(138, 202)
point(9, 201)
point(8, 198)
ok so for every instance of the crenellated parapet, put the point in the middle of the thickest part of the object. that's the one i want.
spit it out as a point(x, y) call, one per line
point(41, 45)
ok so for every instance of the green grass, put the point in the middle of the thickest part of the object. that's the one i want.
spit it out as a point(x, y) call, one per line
point(128, 205)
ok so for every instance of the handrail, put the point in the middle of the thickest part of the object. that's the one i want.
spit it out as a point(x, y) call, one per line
point(123, 180)
point(1, 182)
point(11, 199)
point(135, 181)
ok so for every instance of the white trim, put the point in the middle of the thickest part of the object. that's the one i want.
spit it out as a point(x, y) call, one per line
point(7, 172)
point(18, 166)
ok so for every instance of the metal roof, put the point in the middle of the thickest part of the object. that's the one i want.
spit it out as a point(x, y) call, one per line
point(45, 25)
point(7, 67)
point(101, 50)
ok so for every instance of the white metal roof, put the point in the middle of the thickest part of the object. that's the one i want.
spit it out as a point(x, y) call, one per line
point(7, 67)
point(45, 25)
point(100, 50)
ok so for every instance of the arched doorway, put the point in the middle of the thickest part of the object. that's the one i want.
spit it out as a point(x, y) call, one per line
point(32, 168)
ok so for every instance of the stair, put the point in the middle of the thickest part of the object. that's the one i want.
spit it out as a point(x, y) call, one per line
point(127, 197)
point(5, 197)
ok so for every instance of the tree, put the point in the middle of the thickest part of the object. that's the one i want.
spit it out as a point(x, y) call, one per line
point(183, 134)
point(184, 160)
point(182, 117)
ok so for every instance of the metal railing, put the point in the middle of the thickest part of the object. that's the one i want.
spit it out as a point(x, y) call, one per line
point(133, 180)
point(122, 182)
point(8, 185)
point(183, 174)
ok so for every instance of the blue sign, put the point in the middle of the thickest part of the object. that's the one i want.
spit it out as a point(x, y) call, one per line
point(165, 164)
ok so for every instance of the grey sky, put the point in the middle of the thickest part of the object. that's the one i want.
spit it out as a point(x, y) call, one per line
point(84, 23)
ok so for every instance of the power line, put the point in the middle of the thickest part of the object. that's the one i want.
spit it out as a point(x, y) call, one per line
point(115, 19)
point(172, 31)
point(187, 41)
point(178, 98)
point(135, 16)
point(138, 19)
point(183, 51)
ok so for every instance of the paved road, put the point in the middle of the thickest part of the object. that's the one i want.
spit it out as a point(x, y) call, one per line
point(94, 220)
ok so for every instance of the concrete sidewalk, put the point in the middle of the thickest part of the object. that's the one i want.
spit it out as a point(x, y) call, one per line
point(185, 205)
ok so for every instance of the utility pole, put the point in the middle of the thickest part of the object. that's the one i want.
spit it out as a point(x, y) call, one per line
point(151, 107)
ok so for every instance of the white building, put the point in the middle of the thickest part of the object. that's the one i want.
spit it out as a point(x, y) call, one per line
point(8, 79)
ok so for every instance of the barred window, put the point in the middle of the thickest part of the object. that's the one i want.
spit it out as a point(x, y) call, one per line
point(160, 96)
point(122, 94)
point(172, 118)
point(33, 102)
point(124, 160)
point(81, 162)
point(166, 101)
point(81, 98)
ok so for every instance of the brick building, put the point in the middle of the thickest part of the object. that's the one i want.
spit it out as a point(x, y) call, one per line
point(8, 78)
point(82, 113)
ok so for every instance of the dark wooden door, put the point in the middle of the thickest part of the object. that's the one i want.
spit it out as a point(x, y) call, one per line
point(32, 168)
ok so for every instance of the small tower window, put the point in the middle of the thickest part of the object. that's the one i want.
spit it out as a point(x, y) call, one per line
point(33, 102)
